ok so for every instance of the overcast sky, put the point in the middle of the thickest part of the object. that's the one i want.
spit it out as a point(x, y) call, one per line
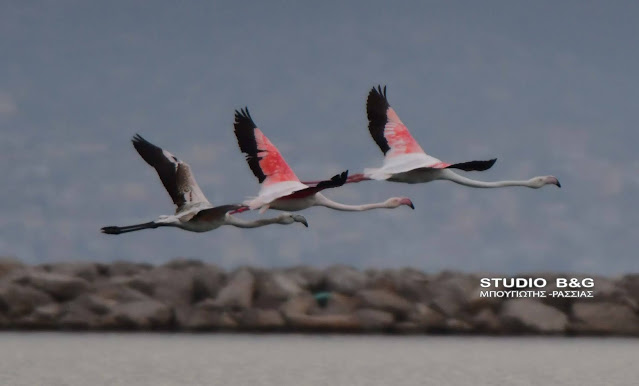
point(546, 87)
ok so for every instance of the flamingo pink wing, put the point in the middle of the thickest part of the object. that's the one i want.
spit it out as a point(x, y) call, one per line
point(271, 161)
point(388, 131)
point(398, 136)
point(262, 156)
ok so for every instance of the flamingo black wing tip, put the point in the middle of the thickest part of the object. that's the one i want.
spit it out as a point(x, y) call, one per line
point(110, 230)
point(478, 166)
point(343, 177)
point(379, 91)
point(137, 138)
point(243, 116)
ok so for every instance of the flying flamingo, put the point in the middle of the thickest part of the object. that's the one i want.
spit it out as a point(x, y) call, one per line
point(194, 212)
point(280, 187)
point(405, 161)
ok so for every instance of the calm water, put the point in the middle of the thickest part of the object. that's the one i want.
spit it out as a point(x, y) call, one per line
point(294, 360)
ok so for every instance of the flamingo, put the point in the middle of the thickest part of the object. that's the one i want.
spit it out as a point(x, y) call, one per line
point(280, 187)
point(405, 161)
point(194, 212)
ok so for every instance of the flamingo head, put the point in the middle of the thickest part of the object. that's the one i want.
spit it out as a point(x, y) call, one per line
point(395, 202)
point(538, 182)
point(289, 218)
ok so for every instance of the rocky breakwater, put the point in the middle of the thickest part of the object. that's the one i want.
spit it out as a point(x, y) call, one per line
point(188, 295)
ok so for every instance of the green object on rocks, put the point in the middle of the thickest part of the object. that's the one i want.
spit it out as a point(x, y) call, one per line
point(322, 298)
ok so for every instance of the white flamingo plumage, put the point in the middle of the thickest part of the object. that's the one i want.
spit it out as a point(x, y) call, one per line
point(193, 211)
point(405, 161)
point(280, 188)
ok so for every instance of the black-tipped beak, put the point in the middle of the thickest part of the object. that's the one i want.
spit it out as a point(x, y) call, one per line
point(407, 201)
point(303, 221)
point(558, 184)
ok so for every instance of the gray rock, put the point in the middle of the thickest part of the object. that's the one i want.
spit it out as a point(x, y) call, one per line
point(528, 315)
point(9, 264)
point(299, 305)
point(308, 278)
point(384, 300)
point(411, 284)
point(273, 288)
point(604, 318)
point(93, 303)
point(486, 321)
point(344, 279)
point(342, 323)
point(127, 268)
point(179, 284)
point(238, 292)
point(604, 290)
point(139, 283)
point(610, 291)
point(407, 327)
point(84, 270)
point(457, 326)
point(207, 319)
point(17, 300)
point(380, 279)
point(47, 311)
point(476, 302)
point(118, 293)
point(94, 311)
point(4, 322)
point(259, 319)
point(338, 304)
point(61, 287)
point(427, 318)
point(77, 317)
point(172, 287)
point(630, 283)
point(208, 280)
point(42, 317)
point(451, 292)
point(371, 319)
point(183, 263)
point(149, 314)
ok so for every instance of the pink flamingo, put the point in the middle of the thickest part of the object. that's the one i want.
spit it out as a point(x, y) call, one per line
point(194, 212)
point(280, 187)
point(405, 161)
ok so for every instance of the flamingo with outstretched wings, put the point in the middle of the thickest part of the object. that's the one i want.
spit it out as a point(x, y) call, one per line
point(279, 186)
point(193, 211)
point(406, 161)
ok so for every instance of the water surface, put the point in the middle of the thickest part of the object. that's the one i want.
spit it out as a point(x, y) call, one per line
point(294, 360)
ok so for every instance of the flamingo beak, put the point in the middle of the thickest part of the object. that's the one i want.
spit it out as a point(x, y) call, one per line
point(556, 182)
point(301, 219)
point(409, 203)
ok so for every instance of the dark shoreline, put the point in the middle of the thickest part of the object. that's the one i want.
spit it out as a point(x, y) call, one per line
point(191, 296)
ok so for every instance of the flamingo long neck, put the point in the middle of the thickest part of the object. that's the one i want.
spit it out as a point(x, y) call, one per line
point(452, 176)
point(322, 200)
point(232, 220)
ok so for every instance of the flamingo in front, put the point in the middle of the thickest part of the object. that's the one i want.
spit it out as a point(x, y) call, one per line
point(280, 187)
point(194, 212)
point(405, 161)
